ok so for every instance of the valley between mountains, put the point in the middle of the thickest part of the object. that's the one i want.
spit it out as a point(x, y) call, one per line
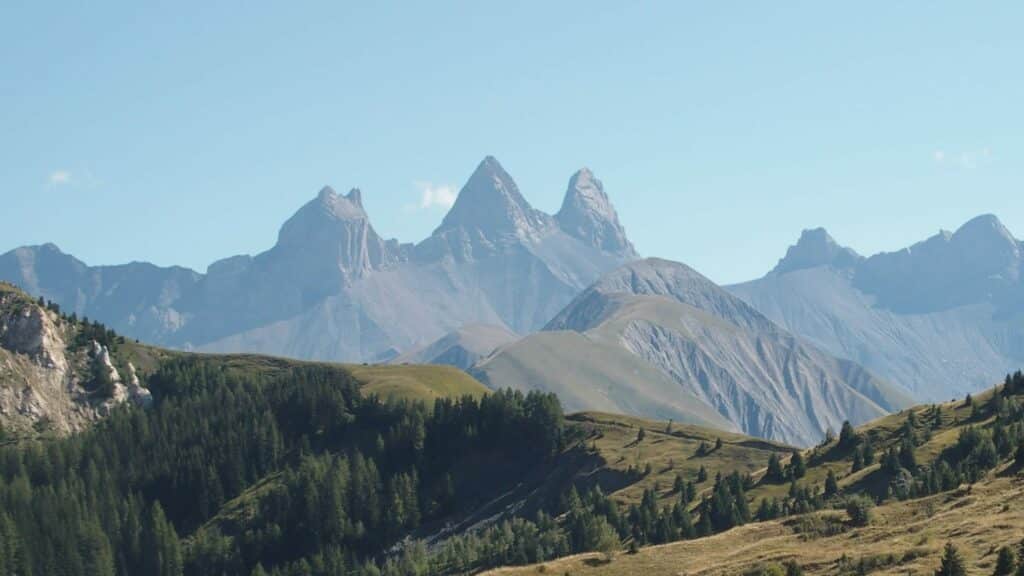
point(520, 392)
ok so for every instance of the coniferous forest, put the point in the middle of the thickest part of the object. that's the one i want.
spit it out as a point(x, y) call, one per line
point(296, 472)
point(342, 477)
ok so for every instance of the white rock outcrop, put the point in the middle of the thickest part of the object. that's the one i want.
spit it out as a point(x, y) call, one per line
point(43, 381)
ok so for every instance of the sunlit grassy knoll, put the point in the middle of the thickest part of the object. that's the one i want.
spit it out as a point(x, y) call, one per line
point(669, 451)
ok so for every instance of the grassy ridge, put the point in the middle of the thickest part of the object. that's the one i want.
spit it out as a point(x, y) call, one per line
point(416, 382)
point(407, 382)
point(904, 537)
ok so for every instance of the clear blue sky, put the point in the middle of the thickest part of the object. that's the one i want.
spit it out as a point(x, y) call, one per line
point(180, 133)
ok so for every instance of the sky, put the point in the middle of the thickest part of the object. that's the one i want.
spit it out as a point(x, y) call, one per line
point(185, 132)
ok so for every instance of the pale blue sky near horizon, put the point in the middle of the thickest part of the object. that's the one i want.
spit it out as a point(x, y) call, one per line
point(181, 133)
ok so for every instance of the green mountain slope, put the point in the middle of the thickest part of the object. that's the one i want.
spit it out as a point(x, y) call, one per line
point(595, 375)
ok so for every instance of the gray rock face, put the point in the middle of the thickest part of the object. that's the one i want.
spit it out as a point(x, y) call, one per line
point(587, 214)
point(979, 262)
point(333, 289)
point(816, 248)
point(331, 239)
point(716, 348)
point(940, 318)
point(41, 378)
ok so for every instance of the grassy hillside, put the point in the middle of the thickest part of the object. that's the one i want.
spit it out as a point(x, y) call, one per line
point(979, 511)
point(416, 382)
point(903, 538)
point(669, 450)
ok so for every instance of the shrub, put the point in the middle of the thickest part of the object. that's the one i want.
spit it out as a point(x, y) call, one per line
point(858, 508)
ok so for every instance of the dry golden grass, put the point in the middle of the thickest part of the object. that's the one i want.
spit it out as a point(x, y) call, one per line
point(425, 382)
point(904, 537)
point(978, 521)
point(669, 452)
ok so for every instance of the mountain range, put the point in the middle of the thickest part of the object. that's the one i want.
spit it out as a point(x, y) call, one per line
point(563, 303)
point(941, 318)
point(332, 288)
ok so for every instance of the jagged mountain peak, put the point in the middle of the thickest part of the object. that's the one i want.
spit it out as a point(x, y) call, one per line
point(355, 196)
point(588, 215)
point(491, 203)
point(330, 236)
point(816, 247)
point(331, 205)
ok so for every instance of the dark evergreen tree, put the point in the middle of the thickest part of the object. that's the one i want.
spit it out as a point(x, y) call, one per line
point(797, 468)
point(775, 472)
point(847, 436)
point(952, 562)
point(1006, 562)
point(831, 484)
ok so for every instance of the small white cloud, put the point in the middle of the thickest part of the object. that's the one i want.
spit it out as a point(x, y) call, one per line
point(964, 159)
point(59, 178)
point(439, 196)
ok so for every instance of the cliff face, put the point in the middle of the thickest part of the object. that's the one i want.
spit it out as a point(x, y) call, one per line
point(48, 384)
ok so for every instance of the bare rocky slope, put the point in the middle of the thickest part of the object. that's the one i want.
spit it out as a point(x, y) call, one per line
point(54, 378)
point(332, 288)
point(710, 346)
point(940, 318)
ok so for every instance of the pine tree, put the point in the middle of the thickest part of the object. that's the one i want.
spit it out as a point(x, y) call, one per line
point(858, 459)
point(831, 484)
point(774, 473)
point(952, 562)
point(161, 549)
point(869, 453)
point(797, 467)
point(691, 492)
point(641, 434)
point(847, 436)
point(907, 458)
point(1006, 562)
point(702, 474)
point(679, 486)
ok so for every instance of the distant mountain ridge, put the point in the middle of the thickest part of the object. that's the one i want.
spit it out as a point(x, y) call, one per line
point(940, 318)
point(690, 346)
point(332, 288)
